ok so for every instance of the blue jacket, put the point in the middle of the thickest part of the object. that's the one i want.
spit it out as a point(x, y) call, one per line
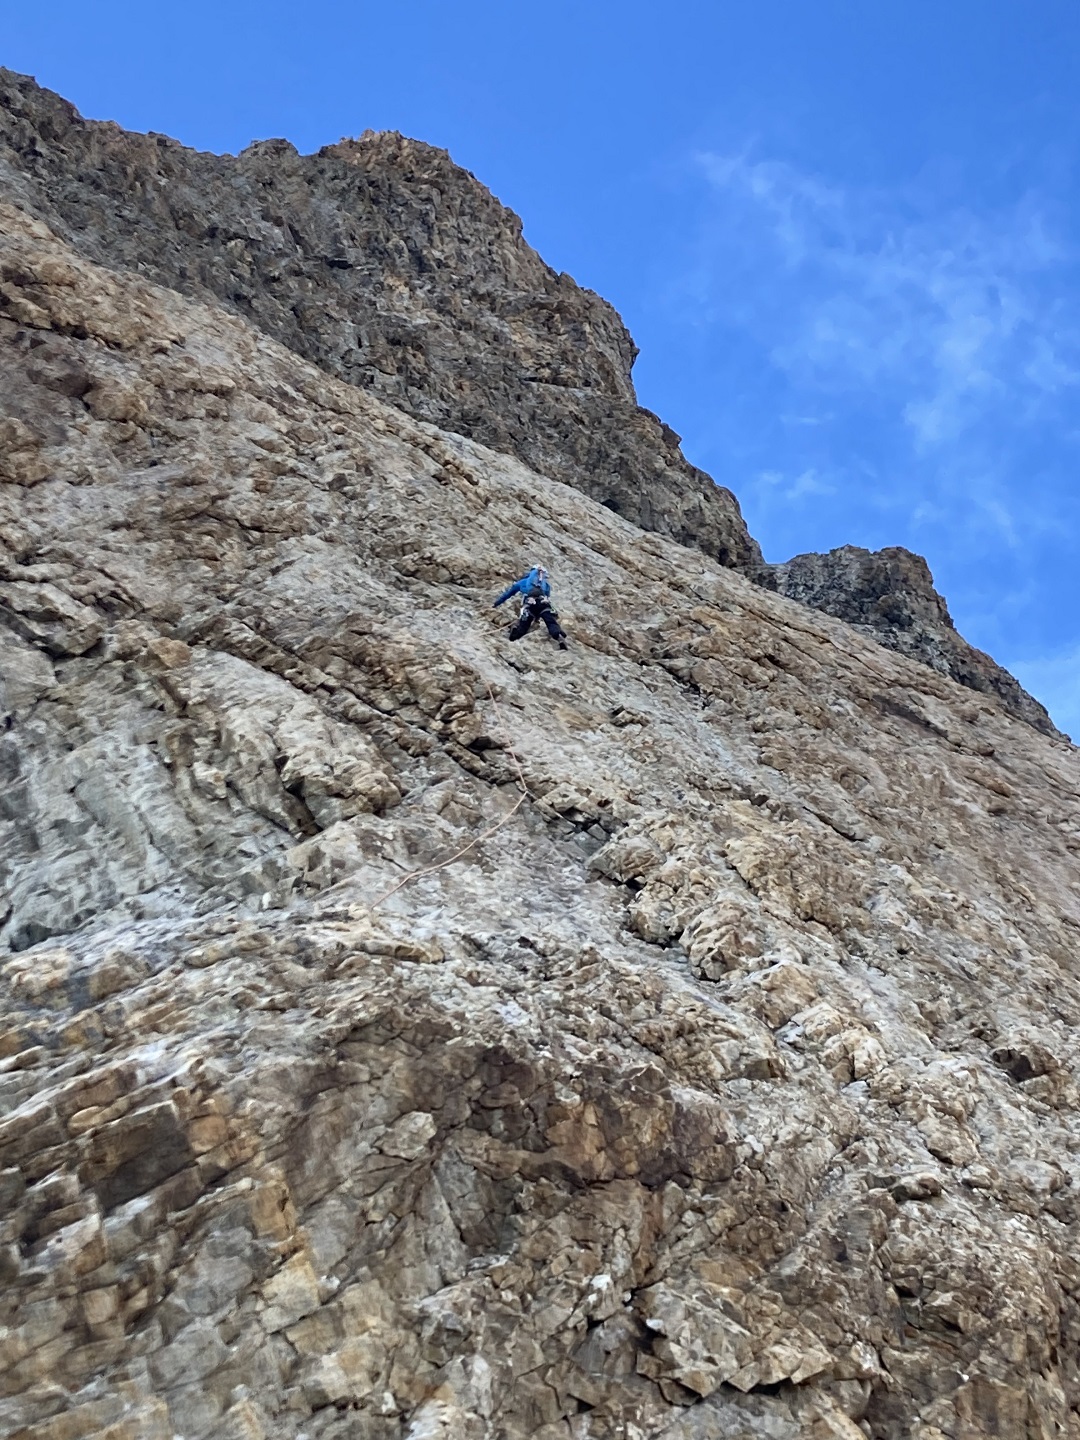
point(529, 584)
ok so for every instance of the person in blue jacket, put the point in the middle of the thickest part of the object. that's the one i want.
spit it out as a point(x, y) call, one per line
point(535, 591)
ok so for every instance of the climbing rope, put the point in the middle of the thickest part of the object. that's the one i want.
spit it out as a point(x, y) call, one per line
point(479, 839)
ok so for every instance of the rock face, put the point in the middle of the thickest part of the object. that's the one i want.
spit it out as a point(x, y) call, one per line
point(411, 1034)
point(889, 594)
point(391, 267)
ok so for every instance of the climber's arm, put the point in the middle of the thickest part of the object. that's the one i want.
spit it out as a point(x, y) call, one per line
point(511, 590)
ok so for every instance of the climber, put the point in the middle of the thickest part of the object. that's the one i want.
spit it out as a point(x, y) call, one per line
point(535, 591)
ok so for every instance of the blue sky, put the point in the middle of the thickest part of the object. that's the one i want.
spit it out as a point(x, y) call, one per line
point(844, 235)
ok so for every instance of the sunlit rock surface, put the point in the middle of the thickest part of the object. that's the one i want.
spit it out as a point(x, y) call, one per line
point(726, 1086)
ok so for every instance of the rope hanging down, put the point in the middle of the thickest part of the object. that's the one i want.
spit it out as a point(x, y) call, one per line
point(491, 830)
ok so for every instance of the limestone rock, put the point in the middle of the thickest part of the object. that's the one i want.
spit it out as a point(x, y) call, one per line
point(384, 263)
point(408, 1033)
point(890, 595)
point(391, 267)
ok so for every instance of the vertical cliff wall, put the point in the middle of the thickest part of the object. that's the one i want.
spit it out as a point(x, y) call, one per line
point(413, 1035)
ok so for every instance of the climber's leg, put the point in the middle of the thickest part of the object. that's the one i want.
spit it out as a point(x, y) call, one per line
point(524, 623)
point(554, 629)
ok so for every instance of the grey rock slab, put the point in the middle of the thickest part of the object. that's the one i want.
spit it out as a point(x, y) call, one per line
point(390, 1014)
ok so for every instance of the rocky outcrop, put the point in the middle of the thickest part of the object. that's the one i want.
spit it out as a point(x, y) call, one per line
point(386, 264)
point(411, 1034)
point(889, 594)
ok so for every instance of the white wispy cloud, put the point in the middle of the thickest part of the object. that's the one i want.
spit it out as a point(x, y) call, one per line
point(901, 365)
point(776, 487)
point(944, 312)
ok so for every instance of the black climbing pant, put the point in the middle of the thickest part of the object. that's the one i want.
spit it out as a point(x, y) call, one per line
point(533, 610)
